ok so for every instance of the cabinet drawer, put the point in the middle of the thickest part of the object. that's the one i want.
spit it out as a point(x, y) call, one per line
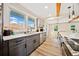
point(29, 45)
point(18, 50)
point(16, 41)
point(37, 36)
point(44, 34)
point(36, 41)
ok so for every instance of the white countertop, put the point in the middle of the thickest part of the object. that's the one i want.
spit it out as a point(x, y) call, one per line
point(74, 53)
point(71, 35)
point(18, 35)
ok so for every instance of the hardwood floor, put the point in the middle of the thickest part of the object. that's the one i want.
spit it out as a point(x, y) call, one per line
point(48, 48)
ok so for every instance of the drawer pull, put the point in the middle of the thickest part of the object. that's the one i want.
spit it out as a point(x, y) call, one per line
point(25, 45)
point(34, 41)
point(19, 41)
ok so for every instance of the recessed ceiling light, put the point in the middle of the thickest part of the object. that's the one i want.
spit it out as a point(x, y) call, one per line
point(46, 7)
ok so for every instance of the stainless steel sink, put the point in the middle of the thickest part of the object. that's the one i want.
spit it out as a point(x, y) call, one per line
point(73, 44)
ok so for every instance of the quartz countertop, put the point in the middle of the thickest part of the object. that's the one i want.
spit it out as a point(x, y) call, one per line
point(71, 35)
point(19, 35)
point(74, 53)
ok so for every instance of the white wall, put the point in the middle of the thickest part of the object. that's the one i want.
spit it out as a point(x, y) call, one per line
point(63, 26)
point(19, 8)
point(16, 7)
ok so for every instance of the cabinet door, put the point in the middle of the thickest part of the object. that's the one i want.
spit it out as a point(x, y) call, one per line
point(63, 50)
point(66, 50)
point(36, 41)
point(0, 49)
point(44, 37)
point(5, 48)
point(17, 47)
point(18, 50)
point(29, 44)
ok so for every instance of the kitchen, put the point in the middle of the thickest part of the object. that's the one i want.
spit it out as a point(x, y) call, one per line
point(39, 29)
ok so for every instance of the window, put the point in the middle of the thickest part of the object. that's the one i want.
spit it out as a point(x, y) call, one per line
point(17, 22)
point(31, 22)
point(72, 27)
point(16, 18)
point(56, 28)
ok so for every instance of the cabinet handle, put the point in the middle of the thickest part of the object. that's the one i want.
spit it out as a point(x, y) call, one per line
point(25, 45)
point(19, 41)
point(34, 41)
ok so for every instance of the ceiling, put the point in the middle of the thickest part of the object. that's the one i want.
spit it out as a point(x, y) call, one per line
point(44, 10)
point(41, 9)
point(65, 11)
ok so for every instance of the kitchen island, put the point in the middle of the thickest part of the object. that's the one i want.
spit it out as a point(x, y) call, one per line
point(66, 39)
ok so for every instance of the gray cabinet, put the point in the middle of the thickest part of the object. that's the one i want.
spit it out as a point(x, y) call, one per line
point(42, 37)
point(32, 42)
point(36, 41)
point(29, 45)
point(17, 47)
point(0, 49)
point(21, 46)
point(5, 48)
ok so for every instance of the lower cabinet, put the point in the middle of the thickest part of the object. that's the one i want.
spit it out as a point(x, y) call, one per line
point(32, 42)
point(17, 47)
point(5, 48)
point(42, 37)
point(65, 50)
point(36, 41)
point(17, 50)
point(21, 46)
point(0, 49)
point(29, 45)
